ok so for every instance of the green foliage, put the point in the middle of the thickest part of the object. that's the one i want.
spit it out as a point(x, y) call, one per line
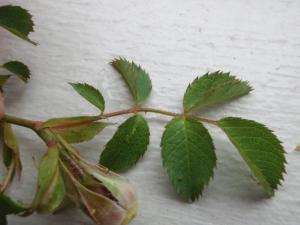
point(188, 156)
point(90, 93)
point(19, 69)
point(127, 145)
point(259, 147)
point(213, 88)
point(80, 133)
point(137, 79)
point(16, 20)
point(51, 188)
point(188, 153)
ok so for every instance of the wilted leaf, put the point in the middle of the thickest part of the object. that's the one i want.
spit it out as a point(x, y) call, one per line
point(101, 209)
point(127, 145)
point(11, 149)
point(259, 147)
point(51, 189)
point(80, 133)
point(91, 94)
point(17, 21)
point(213, 88)
point(19, 69)
point(188, 156)
point(67, 122)
point(137, 79)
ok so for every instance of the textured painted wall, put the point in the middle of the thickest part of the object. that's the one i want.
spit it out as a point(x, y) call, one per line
point(175, 40)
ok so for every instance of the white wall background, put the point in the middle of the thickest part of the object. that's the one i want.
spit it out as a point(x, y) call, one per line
point(175, 40)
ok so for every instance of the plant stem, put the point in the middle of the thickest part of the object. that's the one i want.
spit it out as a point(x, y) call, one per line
point(34, 125)
point(19, 121)
point(158, 111)
point(8, 176)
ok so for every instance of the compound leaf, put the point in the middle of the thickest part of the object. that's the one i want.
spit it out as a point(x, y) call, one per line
point(188, 156)
point(213, 88)
point(260, 148)
point(16, 20)
point(127, 145)
point(136, 77)
point(90, 93)
point(19, 69)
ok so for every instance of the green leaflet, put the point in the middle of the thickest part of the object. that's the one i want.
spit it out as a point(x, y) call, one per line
point(127, 145)
point(17, 21)
point(91, 94)
point(64, 122)
point(213, 88)
point(19, 69)
point(80, 133)
point(8, 206)
point(51, 189)
point(137, 79)
point(259, 147)
point(188, 156)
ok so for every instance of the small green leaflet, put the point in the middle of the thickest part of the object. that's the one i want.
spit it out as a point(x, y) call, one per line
point(127, 145)
point(213, 88)
point(90, 93)
point(64, 122)
point(19, 69)
point(188, 156)
point(80, 133)
point(260, 148)
point(17, 21)
point(136, 77)
point(51, 189)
